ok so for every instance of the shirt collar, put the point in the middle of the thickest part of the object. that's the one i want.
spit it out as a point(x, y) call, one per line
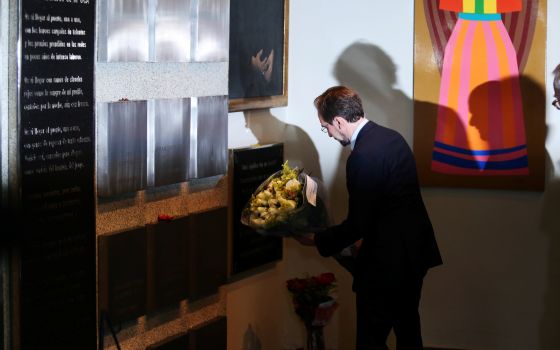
point(355, 133)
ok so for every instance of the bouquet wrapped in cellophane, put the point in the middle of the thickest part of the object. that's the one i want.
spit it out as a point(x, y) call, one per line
point(288, 203)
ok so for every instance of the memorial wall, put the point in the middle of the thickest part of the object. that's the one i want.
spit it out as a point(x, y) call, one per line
point(121, 173)
point(118, 160)
point(161, 129)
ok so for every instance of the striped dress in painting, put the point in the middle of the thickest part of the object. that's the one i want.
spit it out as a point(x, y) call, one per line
point(480, 126)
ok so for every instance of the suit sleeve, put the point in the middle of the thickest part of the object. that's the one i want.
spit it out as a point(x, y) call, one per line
point(364, 175)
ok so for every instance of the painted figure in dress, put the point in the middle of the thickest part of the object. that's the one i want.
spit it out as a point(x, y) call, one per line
point(486, 42)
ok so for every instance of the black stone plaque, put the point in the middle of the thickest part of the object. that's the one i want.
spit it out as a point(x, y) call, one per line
point(211, 336)
point(122, 275)
point(177, 342)
point(58, 285)
point(207, 253)
point(251, 166)
point(167, 262)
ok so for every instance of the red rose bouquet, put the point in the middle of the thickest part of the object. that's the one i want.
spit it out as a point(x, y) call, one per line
point(313, 304)
point(312, 298)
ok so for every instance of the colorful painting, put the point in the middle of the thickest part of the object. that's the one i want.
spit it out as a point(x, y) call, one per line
point(483, 123)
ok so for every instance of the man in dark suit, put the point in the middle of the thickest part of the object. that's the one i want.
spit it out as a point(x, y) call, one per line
point(386, 212)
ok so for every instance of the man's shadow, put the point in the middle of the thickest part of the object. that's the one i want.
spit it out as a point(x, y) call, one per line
point(367, 69)
point(299, 149)
point(541, 168)
point(549, 338)
point(529, 107)
point(550, 226)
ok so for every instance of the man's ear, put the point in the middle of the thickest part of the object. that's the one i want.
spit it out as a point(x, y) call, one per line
point(337, 122)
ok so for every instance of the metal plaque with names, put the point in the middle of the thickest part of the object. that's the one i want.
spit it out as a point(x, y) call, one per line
point(251, 166)
point(121, 148)
point(173, 26)
point(213, 31)
point(123, 31)
point(209, 137)
point(169, 141)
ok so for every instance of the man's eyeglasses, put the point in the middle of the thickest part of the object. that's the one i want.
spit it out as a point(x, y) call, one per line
point(324, 127)
point(556, 103)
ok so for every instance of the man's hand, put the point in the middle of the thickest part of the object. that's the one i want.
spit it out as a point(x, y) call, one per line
point(306, 239)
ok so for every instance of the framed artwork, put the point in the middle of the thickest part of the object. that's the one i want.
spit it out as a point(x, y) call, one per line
point(258, 54)
point(479, 96)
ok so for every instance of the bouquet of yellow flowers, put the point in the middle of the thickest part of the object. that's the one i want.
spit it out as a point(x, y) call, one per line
point(286, 203)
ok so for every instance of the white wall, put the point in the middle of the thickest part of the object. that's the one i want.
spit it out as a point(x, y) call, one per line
point(500, 282)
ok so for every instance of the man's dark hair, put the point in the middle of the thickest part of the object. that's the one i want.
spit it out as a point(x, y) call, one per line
point(556, 80)
point(339, 101)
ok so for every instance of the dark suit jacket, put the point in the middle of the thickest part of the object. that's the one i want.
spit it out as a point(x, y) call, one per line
point(386, 210)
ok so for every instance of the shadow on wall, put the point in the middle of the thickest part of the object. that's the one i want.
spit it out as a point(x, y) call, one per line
point(368, 70)
point(250, 340)
point(550, 225)
point(549, 337)
point(299, 149)
point(482, 129)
